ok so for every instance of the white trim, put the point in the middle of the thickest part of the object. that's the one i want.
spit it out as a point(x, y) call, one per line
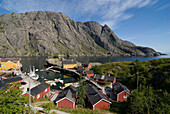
point(63, 99)
point(125, 97)
point(118, 95)
point(101, 100)
point(46, 90)
point(38, 96)
point(121, 92)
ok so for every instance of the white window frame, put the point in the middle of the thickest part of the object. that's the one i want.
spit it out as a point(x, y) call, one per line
point(38, 96)
point(124, 96)
point(46, 90)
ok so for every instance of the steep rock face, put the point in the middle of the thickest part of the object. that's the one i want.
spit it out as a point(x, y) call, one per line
point(49, 33)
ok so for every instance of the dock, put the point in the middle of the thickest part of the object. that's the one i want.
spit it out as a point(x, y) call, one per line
point(28, 80)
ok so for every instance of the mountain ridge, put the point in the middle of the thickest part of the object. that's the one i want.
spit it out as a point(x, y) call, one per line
point(46, 33)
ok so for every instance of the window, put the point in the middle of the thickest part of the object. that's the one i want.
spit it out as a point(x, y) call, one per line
point(46, 90)
point(38, 96)
point(125, 96)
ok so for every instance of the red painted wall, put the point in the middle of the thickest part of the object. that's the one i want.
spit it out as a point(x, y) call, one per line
point(90, 75)
point(89, 65)
point(65, 104)
point(101, 105)
point(114, 80)
point(99, 81)
point(120, 96)
point(102, 81)
point(17, 81)
point(42, 94)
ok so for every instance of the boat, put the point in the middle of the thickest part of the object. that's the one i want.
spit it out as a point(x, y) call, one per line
point(56, 71)
point(59, 80)
point(32, 74)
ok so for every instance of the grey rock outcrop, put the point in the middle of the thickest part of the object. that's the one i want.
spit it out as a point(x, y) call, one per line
point(48, 33)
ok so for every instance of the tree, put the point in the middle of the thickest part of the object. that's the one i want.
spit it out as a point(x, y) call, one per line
point(12, 100)
point(97, 69)
point(142, 100)
point(81, 93)
point(138, 68)
point(47, 107)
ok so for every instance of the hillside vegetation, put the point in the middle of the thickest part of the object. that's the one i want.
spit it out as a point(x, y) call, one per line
point(152, 93)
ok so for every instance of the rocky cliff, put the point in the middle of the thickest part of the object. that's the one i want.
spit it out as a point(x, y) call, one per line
point(49, 33)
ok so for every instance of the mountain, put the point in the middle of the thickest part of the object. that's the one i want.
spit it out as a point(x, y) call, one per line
point(49, 33)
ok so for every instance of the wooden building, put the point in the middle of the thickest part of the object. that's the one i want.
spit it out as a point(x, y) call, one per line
point(8, 64)
point(120, 91)
point(66, 99)
point(9, 82)
point(103, 79)
point(89, 73)
point(69, 64)
point(96, 99)
point(84, 65)
point(81, 70)
point(39, 91)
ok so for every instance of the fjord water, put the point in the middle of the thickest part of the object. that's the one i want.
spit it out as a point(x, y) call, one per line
point(39, 62)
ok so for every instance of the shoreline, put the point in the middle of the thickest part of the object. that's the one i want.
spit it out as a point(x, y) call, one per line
point(82, 56)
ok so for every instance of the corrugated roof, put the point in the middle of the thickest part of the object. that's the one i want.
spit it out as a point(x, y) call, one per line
point(94, 95)
point(38, 89)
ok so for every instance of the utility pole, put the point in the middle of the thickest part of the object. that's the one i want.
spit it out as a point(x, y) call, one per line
point(29, 92)
point(137, 78)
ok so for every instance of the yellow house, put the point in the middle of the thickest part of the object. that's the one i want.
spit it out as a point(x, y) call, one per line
point(7, 64)
point(69, 64)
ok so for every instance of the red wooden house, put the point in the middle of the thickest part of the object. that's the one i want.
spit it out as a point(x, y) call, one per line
point(66, 99)
point(81, 70)
point(4, 83)
point(120, 91)
point(39, 91)
point(103, 79)
point(89, 73)
point(96, 99)
point(89, 65)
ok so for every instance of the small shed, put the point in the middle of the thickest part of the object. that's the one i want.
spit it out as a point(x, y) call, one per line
point(40, 91)
point(102, 78)
point(96, 99)
point(120, 91)
point(66, 98)
point(89, 73)
point(87, 65)
point(4, 83)
point(69, 64)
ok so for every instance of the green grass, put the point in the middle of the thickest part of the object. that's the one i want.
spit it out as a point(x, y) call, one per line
point(78, 110)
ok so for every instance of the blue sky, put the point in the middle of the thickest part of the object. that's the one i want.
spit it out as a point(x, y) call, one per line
point(143, 22)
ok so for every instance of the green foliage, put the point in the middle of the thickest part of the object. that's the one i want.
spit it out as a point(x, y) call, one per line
point(47, 107)
point(12, 101)
point(97, 69)
point(144, 100)
point(56, 55)
point(82, 111)
point(155, 73)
